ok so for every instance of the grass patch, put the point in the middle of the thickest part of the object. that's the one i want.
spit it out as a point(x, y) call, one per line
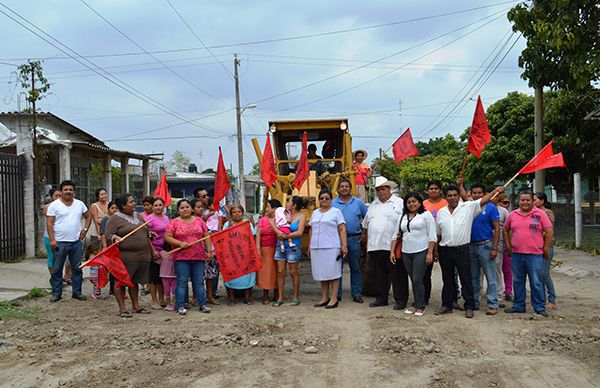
point(590, 241)
point(36, 293)
point(10, 312)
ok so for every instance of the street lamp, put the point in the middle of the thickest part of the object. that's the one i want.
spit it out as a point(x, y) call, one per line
point(239, 112)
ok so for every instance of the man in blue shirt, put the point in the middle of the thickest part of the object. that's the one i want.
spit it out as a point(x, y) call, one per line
point(354, 211)
point(485, 236)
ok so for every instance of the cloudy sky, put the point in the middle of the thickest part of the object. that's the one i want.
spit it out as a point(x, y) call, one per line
point(167, 67)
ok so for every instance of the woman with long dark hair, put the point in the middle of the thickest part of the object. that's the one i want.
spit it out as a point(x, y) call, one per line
point(417, 228)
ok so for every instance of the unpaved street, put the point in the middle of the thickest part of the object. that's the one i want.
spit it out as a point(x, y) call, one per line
point(85, 344)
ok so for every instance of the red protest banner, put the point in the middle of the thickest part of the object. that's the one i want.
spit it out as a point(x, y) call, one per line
point(236, 251)
point(302, 172)
point(268, 172)
point(479, 135)
point(162, 190)
point(404, 147)
point(110, 258)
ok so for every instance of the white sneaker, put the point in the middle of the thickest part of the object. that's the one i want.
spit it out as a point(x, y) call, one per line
point(181, 311)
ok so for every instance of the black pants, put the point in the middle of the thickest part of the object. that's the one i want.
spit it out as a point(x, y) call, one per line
point(427, 283)
point(384, 271)
point(459, 258)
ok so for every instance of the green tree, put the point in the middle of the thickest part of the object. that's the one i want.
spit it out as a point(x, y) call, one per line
point(179, 162)
point(562, 42)
point(511, 125)
point(255, 169)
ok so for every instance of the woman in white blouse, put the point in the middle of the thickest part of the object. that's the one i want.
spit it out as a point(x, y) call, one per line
point(326, 248)
point(417, 228)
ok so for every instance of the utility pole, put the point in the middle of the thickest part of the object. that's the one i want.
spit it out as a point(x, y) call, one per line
point(538, 125)
point(33, 110)
point(238, 113)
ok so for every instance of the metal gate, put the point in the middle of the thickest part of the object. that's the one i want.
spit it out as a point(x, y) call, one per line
point(12, 212)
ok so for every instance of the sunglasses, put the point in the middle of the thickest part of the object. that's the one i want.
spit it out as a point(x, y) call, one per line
point(506, 202)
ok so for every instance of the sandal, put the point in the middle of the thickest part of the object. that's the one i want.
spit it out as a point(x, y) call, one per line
point(141, 311)
point(125, 314)
point(266, 301)
point(156, 307)
point(277, 303)
point(419, 313)
point(295, 303)
point(212, 301)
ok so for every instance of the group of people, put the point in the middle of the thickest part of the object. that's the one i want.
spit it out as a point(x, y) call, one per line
point(468, 233)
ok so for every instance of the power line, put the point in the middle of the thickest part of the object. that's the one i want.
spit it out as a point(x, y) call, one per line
point(109, 77)
point(290, 38)
point(337, 75)
point(494, 54)
point(472, 92)
point(394, 70)
point(154, 57)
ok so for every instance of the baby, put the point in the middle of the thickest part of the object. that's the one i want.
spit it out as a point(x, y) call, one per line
point(282, 221)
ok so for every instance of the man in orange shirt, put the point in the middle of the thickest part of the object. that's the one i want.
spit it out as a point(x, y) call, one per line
point(433, 204)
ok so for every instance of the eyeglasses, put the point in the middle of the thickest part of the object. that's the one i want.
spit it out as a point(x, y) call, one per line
point(324, 198)
point(505, 202)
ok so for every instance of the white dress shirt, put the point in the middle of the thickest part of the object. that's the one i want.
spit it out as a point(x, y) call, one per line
point(455, 227)
point(382, 221)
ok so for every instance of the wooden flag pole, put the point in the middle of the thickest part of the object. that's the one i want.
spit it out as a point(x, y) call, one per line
point(192, 243)
point(122, 239)
point(133, 231)
point(506, 184)
point(464, 164)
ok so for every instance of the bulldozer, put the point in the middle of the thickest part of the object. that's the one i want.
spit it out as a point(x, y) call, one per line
point(332, 140)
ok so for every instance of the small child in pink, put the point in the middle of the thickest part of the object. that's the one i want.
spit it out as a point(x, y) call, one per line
point(282, 221)
point(169, 281)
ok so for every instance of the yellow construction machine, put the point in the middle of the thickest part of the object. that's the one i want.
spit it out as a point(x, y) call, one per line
point(334, 149)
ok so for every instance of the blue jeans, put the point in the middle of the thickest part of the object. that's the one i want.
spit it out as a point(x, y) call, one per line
point(74, 250)
point(184, 269)
point(547, 282)
point(524, 265)
point(480, 258)
point(354, 262)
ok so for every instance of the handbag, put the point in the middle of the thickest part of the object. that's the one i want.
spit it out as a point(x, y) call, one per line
point(398, 248)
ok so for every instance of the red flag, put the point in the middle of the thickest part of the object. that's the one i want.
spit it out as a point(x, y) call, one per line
point(236, 251)
point(544, 159)
point(222, 185)
point(479, 135)
point(268, 173)
point(162, 190)
point(110, 258)
point(404, 147)
point(302, 172)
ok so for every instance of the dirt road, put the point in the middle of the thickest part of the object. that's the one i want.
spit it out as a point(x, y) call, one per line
point(75, 343)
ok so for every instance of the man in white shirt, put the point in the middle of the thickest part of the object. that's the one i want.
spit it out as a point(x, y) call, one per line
point(65, 233)
point(379, 227)
point(453, 225)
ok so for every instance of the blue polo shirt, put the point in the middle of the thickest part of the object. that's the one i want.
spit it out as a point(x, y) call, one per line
point(353, 211)
point(483, 229)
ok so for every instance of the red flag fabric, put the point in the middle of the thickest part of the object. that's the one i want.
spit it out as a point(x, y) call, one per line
point(544, 159)
point(110, 258)
point(102, 277)
point(162, 190)
point(302, 172)
point(404, 147)
point(222, 185)
point(236, 251)
point(268, 172)
point(479, 135)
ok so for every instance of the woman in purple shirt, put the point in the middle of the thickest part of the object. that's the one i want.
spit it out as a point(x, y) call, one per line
point(158, 225)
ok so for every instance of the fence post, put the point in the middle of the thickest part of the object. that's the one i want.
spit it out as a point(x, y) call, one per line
point(578, 219)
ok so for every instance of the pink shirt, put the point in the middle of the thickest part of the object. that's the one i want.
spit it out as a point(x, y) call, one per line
point(527, 230)
point(158, 224)
point(185, 232)
point(268, 238)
